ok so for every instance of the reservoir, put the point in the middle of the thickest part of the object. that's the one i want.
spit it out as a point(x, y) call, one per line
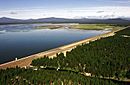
point(21, 40)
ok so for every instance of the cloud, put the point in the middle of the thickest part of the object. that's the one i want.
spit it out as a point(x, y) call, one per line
point(13, 13)
point(100, 11)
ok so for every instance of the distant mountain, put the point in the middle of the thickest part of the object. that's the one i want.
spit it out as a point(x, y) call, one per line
point(5, 20)
point(126, 18)
point(9, 20)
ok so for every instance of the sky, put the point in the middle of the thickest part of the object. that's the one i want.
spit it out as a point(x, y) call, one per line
point(33, 9)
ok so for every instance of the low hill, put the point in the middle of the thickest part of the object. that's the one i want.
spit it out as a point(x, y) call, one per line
point(5, 20)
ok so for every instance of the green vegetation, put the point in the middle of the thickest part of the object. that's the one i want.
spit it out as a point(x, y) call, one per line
point(49, 27)
point(20, 76)
point(96, 26)
point(104, 59)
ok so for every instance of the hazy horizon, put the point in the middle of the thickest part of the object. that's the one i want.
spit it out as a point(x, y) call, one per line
point(34, 9)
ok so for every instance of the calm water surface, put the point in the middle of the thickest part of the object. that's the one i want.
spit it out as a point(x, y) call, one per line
point(23, 39)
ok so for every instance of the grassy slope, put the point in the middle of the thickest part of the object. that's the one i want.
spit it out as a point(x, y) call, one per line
point(94, 26)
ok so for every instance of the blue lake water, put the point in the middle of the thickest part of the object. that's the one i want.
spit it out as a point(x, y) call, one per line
point(21, 40)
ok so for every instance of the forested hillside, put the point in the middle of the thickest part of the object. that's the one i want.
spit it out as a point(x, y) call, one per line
point(107, 57)
point(47, 77)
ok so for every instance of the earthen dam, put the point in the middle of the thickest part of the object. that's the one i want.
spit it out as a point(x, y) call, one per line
point(26, 61)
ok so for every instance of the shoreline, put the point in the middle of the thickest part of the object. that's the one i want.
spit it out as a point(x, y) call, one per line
point(26, 61)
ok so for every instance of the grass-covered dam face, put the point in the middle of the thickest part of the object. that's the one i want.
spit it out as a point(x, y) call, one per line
point(20, 40)
point(104, 60)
